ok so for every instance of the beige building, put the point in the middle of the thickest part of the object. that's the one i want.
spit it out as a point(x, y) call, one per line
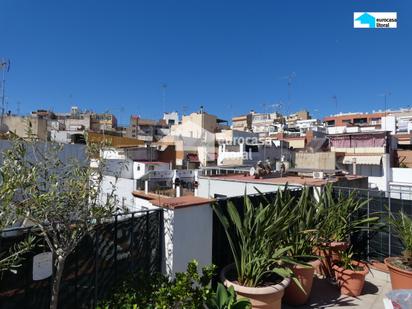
point(103, 122)
point(242, 123)
point(293, 118)
point(23, 125)
point(195, 124)
point(193, 139)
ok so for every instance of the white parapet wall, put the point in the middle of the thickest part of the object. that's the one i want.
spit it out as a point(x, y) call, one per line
point(401, 184)
point(188, 236)
point(188, 230)
point(215, 187)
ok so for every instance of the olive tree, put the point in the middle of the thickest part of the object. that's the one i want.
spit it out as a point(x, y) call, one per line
point(60, 196)
point(11, 259)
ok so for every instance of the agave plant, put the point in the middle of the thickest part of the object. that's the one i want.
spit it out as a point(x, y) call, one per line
point(340, 216)
point(402, 225)
point(302, 235)
point(258, 238)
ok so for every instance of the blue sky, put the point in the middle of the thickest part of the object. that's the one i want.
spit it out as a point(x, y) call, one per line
point(230, 56)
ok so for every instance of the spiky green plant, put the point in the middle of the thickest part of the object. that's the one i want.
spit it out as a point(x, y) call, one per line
point(258, 238)
point(302, 235)
point(402, 225)
point(340, 215)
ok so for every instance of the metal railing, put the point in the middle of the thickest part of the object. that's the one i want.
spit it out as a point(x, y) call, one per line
point(377, 245)
point(125, 244)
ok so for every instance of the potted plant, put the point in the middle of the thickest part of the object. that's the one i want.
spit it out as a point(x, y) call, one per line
point(226, 298)
point(302, 236)
point(339, 217)
point(257, 242)
point(400, 268)
point(350, 274)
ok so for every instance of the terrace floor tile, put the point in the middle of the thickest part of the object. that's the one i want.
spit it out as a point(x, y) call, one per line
point(326, 295)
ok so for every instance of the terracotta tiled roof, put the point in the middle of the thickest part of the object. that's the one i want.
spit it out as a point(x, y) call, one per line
point(173, 202)
point(181, 202)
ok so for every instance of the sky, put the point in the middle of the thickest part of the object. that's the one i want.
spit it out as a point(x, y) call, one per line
point(229, 56)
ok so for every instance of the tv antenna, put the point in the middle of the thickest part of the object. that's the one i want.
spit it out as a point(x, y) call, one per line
point(5, 68)
point(335, 99)
point(290, 79)
point(385, 102)
point(184, 110)
point(164, 88)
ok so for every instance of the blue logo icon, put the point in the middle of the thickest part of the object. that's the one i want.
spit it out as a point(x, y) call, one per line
point(367, 19)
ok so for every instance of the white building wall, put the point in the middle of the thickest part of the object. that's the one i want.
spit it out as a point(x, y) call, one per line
point(388, 123)
point(401, 184)
point(123, 189)
point(382, 182)
point(209, 187)
point(188, 236)
point(141, 168)
point(402, 175)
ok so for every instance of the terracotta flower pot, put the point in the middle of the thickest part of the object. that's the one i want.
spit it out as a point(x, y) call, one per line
point(268, 297)
point(400, 278)
point(329, 251)
point(294, 294)
point(351, 282)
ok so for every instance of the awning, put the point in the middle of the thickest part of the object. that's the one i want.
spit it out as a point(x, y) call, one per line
point(365, 160)
point(193, 157)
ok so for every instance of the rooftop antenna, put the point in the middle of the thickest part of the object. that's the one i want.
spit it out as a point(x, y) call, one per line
point(335, 99)
point(385, 101)
point(4, 67)
point(290, 78)
point(164, 88)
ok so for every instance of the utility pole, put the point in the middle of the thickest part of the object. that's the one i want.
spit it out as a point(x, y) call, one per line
point(5, 67)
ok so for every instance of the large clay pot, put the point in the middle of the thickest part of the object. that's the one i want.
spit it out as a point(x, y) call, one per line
point(293, 293)
point(400, 278)
point(330, 253)
point(268, 297)
point(351, 282)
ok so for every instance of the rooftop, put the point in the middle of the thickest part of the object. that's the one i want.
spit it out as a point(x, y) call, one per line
point(172, 202)
point(290, 180)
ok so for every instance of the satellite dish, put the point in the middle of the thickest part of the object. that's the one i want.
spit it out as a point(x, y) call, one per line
point(252, 171)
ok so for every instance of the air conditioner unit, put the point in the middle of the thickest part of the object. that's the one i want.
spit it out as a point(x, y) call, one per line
point(318, 175)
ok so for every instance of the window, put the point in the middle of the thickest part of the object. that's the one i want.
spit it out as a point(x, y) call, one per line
point(251, 148)
point(360, 120)
point(330, 123)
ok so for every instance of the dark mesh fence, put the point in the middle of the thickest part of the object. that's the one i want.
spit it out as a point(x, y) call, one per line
point(112, 251)
point(378, 245)
point(370, 244)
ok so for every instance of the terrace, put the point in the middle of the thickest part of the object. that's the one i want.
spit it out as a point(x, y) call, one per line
point(327, 295)
point(183, 228)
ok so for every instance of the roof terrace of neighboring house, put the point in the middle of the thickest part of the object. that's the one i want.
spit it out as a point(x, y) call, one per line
point(236, 182)
point(366, 153)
